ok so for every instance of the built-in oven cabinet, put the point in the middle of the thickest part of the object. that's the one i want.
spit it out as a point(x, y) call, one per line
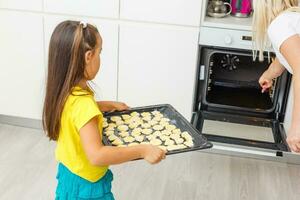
point(230, 110)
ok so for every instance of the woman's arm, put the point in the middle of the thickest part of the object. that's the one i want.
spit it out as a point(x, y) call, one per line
point(290, 49)
point(101, 155)
point(274, 70)
point(108, 106)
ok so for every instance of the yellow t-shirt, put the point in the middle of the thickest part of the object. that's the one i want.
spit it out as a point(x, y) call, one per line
point(79, 108)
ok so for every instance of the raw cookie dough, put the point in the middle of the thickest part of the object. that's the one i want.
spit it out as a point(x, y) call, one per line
point(155, 142)
point(170, 127)
point(146, 125)
point(124, 134)
point(158, 127)
point(117, 142)
point(139, 138)
point(112, 137)
point(108, 133)
point(147, 131)
point(122, 128)
point(125, 117)
point(129, 139)
point(176, 131)
point(115, 118)
point(134, 114)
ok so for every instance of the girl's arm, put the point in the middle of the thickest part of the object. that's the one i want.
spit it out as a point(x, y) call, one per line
point(108, 106)
point(291, 51)
point(101, 155)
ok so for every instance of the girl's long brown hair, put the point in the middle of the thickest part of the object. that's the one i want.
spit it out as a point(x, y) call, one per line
point(66, 65)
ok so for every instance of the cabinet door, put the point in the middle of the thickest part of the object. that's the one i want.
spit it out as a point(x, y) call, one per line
point(36, 5)
point(167, 11)
point(157, 65)
point(97, 8)
point(107, 75)
point(22, 64)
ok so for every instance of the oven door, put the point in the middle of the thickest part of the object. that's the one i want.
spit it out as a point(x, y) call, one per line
point(239, 135)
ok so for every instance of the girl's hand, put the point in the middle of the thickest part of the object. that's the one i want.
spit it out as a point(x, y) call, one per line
point(153, 154)
point(119, 106)
point(265, 83)
point(293, 140)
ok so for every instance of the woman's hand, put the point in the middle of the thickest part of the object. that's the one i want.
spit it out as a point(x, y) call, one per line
point(153, 154)
point(265, 83)
point(293, 140)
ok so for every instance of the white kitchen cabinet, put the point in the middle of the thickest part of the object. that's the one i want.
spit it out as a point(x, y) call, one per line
point(157, 65)
point(107, 75)
point(35, 5)
point(22, 64)
point(168, 11)
point(96, 8)
point(289, 110)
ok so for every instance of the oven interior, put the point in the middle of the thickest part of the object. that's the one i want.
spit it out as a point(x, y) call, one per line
point(229, 106)
point(233, 81)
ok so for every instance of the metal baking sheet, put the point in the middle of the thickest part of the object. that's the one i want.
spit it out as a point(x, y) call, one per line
point(200, 142)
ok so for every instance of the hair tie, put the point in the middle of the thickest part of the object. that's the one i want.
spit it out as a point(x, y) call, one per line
point(84, 24)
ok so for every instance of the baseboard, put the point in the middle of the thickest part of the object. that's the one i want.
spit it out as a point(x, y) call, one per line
point(20, 121)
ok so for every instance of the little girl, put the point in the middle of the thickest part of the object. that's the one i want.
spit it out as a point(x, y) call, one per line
point(279, 20)
point(74, 119)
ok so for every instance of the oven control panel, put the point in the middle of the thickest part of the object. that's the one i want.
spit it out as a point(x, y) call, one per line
point(225, 38)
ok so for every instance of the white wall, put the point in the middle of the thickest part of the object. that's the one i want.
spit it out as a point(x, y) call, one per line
point(139, 36)
point(21, 64)
point(164, 71)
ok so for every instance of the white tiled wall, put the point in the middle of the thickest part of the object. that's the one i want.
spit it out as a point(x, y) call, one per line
point(158, 41)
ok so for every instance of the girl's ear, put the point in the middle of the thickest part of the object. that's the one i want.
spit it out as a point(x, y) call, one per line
point(88, 57)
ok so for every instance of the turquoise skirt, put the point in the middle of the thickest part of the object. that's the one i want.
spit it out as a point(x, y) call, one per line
point(73, 187)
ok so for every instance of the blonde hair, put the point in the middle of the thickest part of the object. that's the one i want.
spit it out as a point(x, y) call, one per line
point(265, 11)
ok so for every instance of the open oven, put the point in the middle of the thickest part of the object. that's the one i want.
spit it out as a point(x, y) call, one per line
point(230, 109)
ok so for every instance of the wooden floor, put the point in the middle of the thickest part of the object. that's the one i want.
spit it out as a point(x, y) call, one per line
point(28, 169)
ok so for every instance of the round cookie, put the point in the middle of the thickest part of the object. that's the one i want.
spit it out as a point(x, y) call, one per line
point(176, 131)
point(146, 114)
point(155, 142)
point(129, 139)
point(122, 128)
point(117, 142)
point(139, 138)
point(170, 127)
point(112, 137)
point(108, 133)
point(158, 127)
point(146, 125)
point(115, 118)
point(124, 134)
point(126, 117)
point(134, 114)
point(179, 140)
point(147, 131)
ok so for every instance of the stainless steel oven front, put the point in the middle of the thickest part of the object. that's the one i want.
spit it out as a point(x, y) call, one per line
point(229, 107)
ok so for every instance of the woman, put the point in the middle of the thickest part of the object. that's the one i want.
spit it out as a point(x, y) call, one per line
point(278, 21)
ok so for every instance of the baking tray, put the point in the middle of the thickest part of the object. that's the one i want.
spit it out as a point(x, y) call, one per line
point(200, 142)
